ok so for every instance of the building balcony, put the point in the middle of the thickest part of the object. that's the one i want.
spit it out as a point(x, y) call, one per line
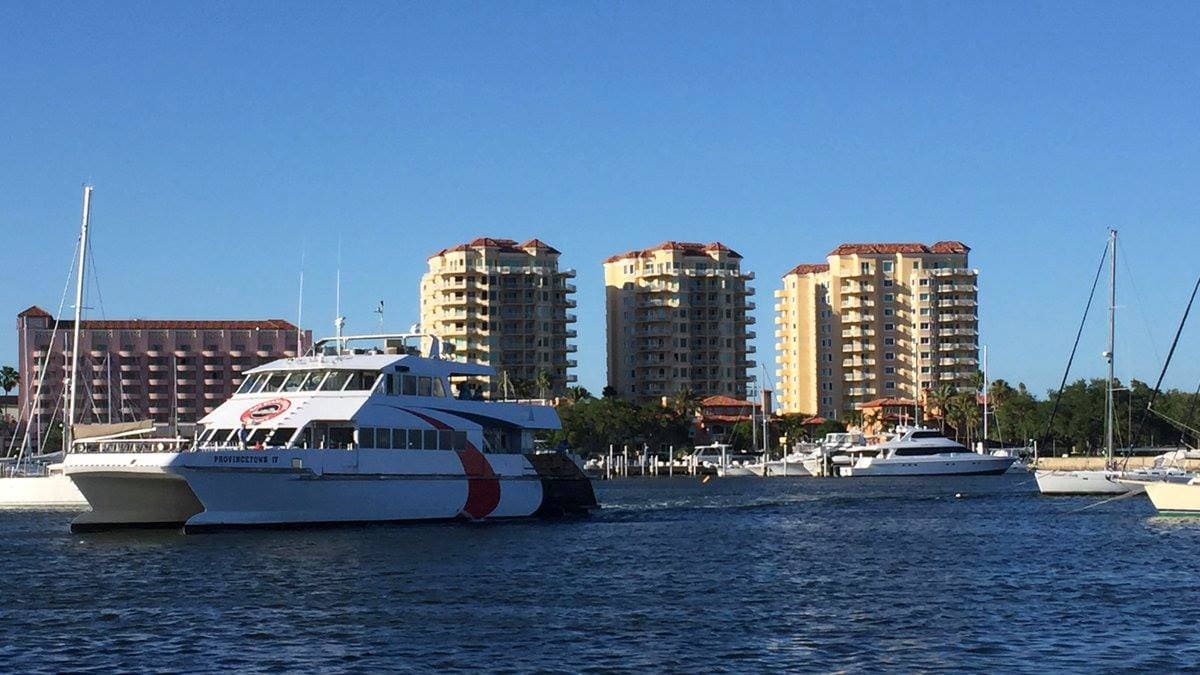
point(954, 272)
point(750, 306)
point(857, 363)
point(184, 367)
point(97, 354)
point(158, 396)
point(213, 395)
point(961, 318)
point(209, 353)
point(751, 349)
point(958, 361)
point(858, 333)
point(571, 349)
point(860, 391)
point(957, 332)
point(236, 353)
point(212, 381)
point(154, 353)
point(157, 368)
point(262, 353)
point(181, 353)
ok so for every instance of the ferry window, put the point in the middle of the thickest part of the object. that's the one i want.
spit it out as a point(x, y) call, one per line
point(389, 384)
point(414, 439)
point(336, 380)
point(430, 439)
point(281, 436)
point(424, 386)
point(439, 389)
point(259, 381)
point(460, 440)
point(246, 384)
point(383, 438)
point(445, 439)
point(366, 437)
point(293, 381)
point(274, 382)
point(313, 380)
point(410, 385)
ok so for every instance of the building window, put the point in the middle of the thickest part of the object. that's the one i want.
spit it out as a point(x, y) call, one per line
point(888, 282)
point(889, 370)
point(889, 356)
point(888, 311)
point(887, 265)
point(889, 341)
point(889, 297)
point(889, 385)
point(889, 326)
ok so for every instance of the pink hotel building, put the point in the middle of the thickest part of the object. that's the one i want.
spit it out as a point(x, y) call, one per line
point(172, 372)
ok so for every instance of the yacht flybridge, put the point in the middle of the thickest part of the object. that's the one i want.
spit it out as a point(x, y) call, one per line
point(342, 435)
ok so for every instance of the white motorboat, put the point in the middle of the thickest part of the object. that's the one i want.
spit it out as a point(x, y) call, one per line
point(340, 436)
point(918, 451)
point(790, 465)
point(837, 447)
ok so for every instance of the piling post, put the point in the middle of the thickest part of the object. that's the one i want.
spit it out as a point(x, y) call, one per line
point(671, 461)
point(608, 464)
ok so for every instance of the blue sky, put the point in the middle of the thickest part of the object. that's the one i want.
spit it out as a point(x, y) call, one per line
point(225, 138)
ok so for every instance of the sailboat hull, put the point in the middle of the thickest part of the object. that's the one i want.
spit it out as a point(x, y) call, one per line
point(1174, 499)
point(27, 492)
point(1080, 483)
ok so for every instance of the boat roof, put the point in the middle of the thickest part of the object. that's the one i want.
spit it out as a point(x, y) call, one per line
point(372, 361)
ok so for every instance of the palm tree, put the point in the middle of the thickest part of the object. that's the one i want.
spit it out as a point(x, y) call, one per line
point(686, 402)
point(543, 383)
point(9, 379)
point(941, 399)
point(577, 394)
point(853, 418)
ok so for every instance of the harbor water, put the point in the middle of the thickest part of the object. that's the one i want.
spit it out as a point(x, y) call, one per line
point(732, 575)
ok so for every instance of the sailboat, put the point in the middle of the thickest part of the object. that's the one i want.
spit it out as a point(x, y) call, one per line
point(37, 480)
point(1109, 480)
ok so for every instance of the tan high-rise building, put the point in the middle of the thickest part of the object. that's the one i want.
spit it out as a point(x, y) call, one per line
point(678, 318)
point(505, 305)
point(875, 321)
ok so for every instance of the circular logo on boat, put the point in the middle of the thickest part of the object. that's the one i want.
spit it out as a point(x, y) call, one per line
point(266, 410)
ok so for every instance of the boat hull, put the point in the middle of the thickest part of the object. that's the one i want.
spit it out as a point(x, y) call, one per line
point(981, 465)
point(1174, 499)
point(201, 490)
point(1082, 483)
point(55, 490)
point(780, 468)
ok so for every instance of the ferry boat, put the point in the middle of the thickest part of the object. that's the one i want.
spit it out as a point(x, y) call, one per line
point(342, 435)
point(917, 451)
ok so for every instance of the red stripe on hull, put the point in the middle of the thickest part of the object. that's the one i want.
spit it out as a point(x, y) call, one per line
point(483, 488)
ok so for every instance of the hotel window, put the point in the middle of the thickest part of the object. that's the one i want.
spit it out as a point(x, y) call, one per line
point(889, 370)
point(924, 325)
point(924, 340)
point(889, 297)
point(865, 268)
point(887, 266)
point(889, 385)
point(924, 370)
point(924, 311)
point(889, 326)
point(889, 341)
point(924, 355)
point(889, 356)
point(888, 311)
point(924, 297)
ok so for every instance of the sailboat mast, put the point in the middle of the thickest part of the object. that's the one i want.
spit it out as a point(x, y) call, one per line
point(986, 401)
point(68, 434)
point(1112, 331)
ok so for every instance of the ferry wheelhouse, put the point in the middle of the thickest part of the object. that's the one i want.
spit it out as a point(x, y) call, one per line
point(343, 435)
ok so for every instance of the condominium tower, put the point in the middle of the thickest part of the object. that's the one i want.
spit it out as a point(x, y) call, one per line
point(678, 318)
point(875, 321)
point(170, 372)
point(506, 305)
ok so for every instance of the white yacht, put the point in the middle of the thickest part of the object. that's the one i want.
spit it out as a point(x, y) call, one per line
point(838, 447)
point(918, 451)
point(342, 435)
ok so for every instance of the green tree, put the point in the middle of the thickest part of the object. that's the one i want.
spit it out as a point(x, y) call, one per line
point(686, 402)
point(940, 398)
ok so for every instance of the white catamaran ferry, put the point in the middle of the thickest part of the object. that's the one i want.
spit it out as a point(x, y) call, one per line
point(339, 436)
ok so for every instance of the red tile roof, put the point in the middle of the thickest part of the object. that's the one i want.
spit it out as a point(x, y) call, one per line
point(540, 245)
point(808, 269)
point(889, 249)
point(505, 246)
point(882, 402)
point(170, 324)
point(687, 247)
point(724, 402)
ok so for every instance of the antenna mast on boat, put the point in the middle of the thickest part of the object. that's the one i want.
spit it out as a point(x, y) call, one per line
point(1108, 355)
point(300, 310)
point(68, 433)
point(339, 321)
